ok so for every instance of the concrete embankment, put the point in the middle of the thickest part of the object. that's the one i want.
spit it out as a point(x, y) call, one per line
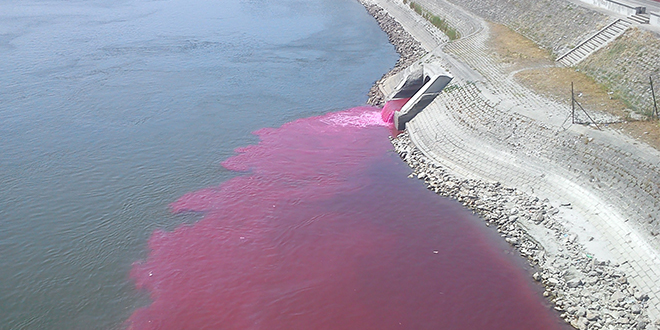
point(579, 203)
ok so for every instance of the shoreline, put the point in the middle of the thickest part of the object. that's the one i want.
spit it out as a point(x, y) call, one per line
point(585, 291)
point(572, 279)
point(409, 49)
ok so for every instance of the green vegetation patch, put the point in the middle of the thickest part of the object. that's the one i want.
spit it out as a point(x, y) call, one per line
point(435, 20)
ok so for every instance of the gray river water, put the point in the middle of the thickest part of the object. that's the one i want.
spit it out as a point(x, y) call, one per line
point(111, 110)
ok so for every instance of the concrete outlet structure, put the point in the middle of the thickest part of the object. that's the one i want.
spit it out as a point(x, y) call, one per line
point(422, 86)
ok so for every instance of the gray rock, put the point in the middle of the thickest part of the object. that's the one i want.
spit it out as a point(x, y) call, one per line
point(641, 296)
point(592, 315)
point(617, 296)
point(511, 240)
point(582, 323)
point(613, 314)
point(574, 283)
point(635, 309)
point(539, 218)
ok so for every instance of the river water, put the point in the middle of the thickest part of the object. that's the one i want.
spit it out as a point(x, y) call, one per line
point(123, 203)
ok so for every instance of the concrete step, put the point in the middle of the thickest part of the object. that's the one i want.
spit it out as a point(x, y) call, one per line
point(595, 42)
point(591, 45)
point(570, 60)
point(622, 25)
point(616, 29)
point(567, 61)
point(584, 50)
point(601, 39)
point(640, 18)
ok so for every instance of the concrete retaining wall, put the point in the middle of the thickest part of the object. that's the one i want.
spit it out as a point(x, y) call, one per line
point(655, 19)
point(614, 6)
point(623, 9)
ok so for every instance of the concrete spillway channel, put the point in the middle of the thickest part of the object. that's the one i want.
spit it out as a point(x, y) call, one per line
point(421, 86)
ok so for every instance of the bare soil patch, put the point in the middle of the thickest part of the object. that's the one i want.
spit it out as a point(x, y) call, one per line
point(646, 131)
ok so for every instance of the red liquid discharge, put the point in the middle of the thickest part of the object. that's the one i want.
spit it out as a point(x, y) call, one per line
point(387, 114)
point(325, 231)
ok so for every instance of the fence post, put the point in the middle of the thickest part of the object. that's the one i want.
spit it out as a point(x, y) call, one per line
point(655, 104)
point(572, 105)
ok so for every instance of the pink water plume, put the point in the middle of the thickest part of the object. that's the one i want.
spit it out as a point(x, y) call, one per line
point(392, 106)
point(324, 231)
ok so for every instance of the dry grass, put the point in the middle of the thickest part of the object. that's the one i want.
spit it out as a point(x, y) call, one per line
point(555, 83)
point(517, 50)
point(647, 131)
point(534, 68)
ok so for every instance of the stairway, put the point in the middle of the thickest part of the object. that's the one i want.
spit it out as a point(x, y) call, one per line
point(640, 18)
point(595, 42)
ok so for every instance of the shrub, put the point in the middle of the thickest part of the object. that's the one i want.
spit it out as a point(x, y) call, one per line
point(435, 20)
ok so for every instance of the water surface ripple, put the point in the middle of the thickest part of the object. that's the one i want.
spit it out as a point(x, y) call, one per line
point(110, 110)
